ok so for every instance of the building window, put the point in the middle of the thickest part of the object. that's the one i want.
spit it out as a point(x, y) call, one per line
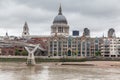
point(55, 44)
point(64, 45)
point(55, 49)
point(60, 29)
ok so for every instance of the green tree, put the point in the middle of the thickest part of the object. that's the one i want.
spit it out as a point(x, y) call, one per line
point(76, 52)
point(17, 52)
point(24, 53)
point(97, 53)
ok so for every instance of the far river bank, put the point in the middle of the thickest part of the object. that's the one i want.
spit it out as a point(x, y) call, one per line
point(40, 59)
point(86, 64)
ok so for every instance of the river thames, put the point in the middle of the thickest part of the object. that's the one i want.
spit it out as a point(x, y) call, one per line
point(19, 71)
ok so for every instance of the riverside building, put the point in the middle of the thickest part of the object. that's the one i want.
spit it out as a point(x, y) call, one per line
point(111, 45)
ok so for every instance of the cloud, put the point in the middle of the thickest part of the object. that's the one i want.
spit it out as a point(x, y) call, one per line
point(97, 15)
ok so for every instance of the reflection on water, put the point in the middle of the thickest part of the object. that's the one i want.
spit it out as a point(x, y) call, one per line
point(18, 71)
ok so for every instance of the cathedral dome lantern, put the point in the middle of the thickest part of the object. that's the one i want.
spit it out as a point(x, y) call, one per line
point(60, 18)
point(60, 24)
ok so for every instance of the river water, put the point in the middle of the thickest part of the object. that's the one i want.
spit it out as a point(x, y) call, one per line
point(19, 71)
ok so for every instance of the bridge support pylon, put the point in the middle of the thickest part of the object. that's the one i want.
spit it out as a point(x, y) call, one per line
point(31, 57)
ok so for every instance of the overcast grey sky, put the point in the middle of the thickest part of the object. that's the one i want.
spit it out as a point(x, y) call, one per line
point(97, 15)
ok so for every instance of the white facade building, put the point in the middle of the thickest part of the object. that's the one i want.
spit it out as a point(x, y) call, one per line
point(110, 47)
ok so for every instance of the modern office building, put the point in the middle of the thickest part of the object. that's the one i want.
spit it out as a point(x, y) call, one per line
point(75, 33)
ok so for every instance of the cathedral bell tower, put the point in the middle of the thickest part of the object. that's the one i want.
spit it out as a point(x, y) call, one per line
point(25, 32)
